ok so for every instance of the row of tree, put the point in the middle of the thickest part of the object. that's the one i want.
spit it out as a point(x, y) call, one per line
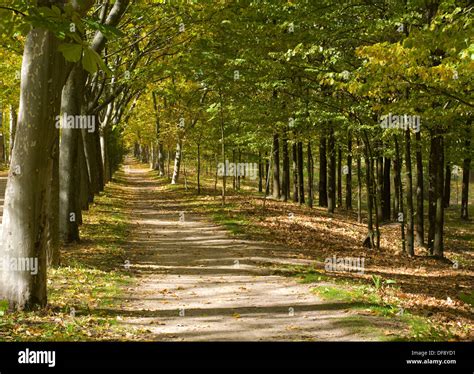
point(300, 88)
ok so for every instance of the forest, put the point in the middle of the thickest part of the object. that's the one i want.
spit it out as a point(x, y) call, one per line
point(257, 170)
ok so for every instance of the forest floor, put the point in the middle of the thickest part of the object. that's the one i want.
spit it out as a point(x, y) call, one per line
point(159, 262)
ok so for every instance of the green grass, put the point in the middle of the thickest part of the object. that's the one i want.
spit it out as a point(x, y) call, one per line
point(359, 297)
point(467, 298)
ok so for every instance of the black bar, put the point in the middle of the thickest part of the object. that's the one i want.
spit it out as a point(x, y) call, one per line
point(231, 355)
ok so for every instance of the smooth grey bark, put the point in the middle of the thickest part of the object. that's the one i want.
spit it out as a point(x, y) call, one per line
point(53, 251)
point(99, 160)
point(438, 244)
point(177, 161)
point(300, 160)
point(85, 189)
point(310, 171)
point(369, 240)
point(3, 156)
point(447, 185)
point(25, 217)
point(285, 188)
point(331, 172)
point(295, 171)
point(387, 166)
point(276, 166)
point(90, 154)
point(69, 211)
point(466, 168)
point(399, 187)
point(349, 173)
point(409, 183)
point(104, 134)
point(160, 159)
point(339, 176)
point(379, 188)
point(198, 168)
point(13, 125)
point(419, 216)
point(359, 184)
point(322, 186)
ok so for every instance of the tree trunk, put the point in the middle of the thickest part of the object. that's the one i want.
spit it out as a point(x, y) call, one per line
point(84, 178)
point(260, 172)
point(398, 183)
point(90, 153)
point(234, 175)
point(267, 174)
point(419, 216)
point(26, 216)
point(310, 175)
point(339, 176)
point(369, 240)
point(295, 172)
point(447, 185)
point(71, 105)
point(300, 161)
point(222, 150)
point(168, 163)
point(160, 166)
point(349, 173)
point(53, 252)
point(379, 191)
point(386, 210)
point(438, 247)
point(359, 185)
point(466, 168)
point(177, 162)
point(276, 167)
point(322, 187)
point(13, 122)
point(99, 159)
point(331, 173)
point(285, 188)
point(199, 168)
point(431, 192)
point(409, 182)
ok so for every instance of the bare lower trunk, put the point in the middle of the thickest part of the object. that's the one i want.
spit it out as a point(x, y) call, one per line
point(349, 174)
point(295, 172)
point(419, 223)
point(359, 186)
point(177, 162)
point(310, 175)
point(26, 215)
point(285, 187)
point(438, 245)
point(13, 124)
point(466, 168)
point(322, 186)
point(331, 173)
point(409, 182)
point(276, 166)
point(69, 211)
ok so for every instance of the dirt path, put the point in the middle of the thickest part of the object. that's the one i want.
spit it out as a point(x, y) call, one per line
point(196, 282)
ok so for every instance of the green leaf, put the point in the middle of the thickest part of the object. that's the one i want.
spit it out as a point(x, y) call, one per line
point(71, 52)
point(89, 61)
